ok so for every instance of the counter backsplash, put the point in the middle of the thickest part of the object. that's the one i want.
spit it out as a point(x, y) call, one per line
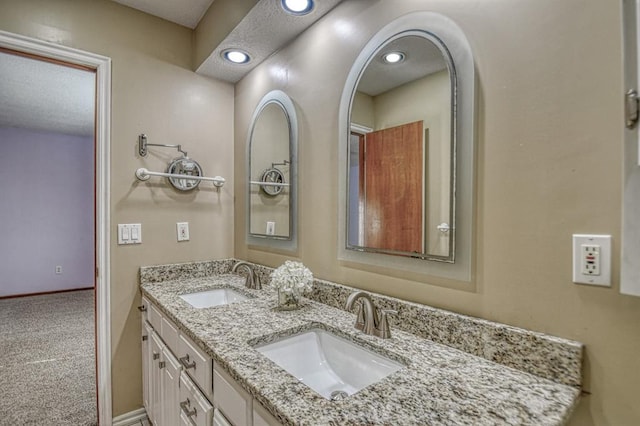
point(546, 356)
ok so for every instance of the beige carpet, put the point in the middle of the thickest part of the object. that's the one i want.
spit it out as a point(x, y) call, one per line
point(47, 360)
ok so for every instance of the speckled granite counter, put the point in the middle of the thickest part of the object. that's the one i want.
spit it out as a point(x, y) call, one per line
point(440, 385)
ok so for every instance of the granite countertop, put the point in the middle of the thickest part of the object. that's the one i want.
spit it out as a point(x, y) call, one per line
point(440, 385)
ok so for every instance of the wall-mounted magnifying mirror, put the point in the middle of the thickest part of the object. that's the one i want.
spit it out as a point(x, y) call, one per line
point(272, 147)
point(406, 149)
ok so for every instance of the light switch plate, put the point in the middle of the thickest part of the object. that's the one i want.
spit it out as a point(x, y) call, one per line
point(129, 233)
point(592, 259)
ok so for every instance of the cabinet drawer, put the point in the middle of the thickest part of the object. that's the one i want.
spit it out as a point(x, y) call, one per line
point(169, 333)
point(154, 317)
point(233, 401)
point(193, 405)
point(197, 364)
point(144, 308)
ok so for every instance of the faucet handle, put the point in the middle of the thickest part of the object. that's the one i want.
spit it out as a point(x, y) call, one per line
point(384, 331)
point(257, 285)
point(359, 317)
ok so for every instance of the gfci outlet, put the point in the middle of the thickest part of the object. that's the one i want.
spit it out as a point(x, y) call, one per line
point(183, 231)
point(592, 259)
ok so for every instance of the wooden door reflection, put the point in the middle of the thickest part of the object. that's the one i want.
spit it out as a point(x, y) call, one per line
point(392, 167)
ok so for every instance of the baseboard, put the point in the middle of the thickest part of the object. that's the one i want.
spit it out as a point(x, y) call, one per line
point(130, 418)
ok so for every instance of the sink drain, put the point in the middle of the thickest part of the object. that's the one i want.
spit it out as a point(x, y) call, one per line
point(338, 395)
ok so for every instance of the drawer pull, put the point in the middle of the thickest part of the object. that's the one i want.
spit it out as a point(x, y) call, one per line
point(156, 355)
point(186, 364)
point(145, 338)
point(142, 308)
point(185, 405)
point(161, 365)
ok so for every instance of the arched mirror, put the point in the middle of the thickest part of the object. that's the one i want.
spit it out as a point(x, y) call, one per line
point(272, 147)
point(406, 149)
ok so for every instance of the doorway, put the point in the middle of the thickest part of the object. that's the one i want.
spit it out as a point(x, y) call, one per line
point(47, 255)
point(101, 66)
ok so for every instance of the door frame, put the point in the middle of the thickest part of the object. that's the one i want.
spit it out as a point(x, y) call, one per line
point(102, 66)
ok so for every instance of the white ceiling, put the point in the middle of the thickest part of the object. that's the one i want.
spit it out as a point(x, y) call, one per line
point(184, 12)
point(422, 58)
point(44, 96)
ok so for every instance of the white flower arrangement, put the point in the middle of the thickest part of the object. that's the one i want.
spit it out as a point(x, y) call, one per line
point(292, 277)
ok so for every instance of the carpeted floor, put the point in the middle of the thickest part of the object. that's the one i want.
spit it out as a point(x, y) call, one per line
point(47, 360)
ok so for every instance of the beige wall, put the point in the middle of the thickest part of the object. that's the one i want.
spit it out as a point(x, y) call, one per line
point(362, 112)
point(549, 146)
point(153, 91)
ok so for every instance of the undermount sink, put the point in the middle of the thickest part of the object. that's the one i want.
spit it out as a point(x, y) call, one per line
point(332, 366)
point(215, 297)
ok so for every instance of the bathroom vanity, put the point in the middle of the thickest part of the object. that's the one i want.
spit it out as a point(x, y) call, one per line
point(452, 369)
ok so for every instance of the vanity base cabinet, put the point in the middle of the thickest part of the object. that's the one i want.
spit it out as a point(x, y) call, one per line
point(179, 379)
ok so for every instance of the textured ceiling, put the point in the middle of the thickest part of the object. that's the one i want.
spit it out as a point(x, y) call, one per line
point(43, 96)
point(263, 31)
point(183, 12)
point(421, 59)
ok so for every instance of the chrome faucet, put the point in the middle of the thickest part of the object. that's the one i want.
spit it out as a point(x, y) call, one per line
point(253, 280)
point(367, 318)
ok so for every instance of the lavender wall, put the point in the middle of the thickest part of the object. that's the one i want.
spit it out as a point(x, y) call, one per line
point(46, 211)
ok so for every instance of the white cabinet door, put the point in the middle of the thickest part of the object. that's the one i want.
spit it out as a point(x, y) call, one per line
point(155, 381)
point(233, 401)
point(261, 417)
point(170, 388)
point(146, 362)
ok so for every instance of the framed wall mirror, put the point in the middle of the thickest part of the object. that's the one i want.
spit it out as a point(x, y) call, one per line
point(406, 149)
point(271, 164)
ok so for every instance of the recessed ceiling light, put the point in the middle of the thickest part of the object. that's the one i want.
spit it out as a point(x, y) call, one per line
point(297, 7)
point(236, 56)
point(394, 57)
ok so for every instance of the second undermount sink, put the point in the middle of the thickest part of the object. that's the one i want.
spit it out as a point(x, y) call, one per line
point(331, 365)
point(215, 297)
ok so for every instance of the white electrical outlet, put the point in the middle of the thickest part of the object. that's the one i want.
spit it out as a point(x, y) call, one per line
point(183, 231)
point(58, 270)
point(592, 259)
point(271, 228)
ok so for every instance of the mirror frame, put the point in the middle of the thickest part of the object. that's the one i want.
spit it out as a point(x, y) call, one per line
point(290, 244)
point(431, 26)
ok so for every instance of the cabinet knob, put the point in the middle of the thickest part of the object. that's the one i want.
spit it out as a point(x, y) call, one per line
point(142, 308)
point(161, 365)
point(145, 338)
point(156, 355)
